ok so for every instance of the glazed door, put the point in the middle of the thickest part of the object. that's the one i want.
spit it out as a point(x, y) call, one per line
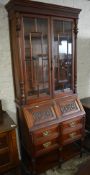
point(37, 61)
point(62, 55)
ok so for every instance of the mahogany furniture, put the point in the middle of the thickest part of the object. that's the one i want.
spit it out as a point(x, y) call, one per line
point(44, 60)
point(86, 104)
point(8, 147)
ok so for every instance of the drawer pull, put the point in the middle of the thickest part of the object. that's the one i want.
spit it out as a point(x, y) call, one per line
point(72, 124)
point(72, 135)
point(60, 149)
point(47, 144)
point(45, 133)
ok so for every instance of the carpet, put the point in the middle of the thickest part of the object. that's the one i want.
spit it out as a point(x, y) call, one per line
point(69, 167)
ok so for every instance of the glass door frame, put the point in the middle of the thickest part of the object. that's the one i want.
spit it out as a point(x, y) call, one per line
point(49, 57)
point(73, 60)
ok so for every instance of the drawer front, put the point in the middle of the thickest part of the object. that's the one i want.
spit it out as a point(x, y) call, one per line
point(47, 161)
point(70, 137)
point(46, 147)
point(3, 140)
point(4, 158)
point(72, 123)
point(46, 132)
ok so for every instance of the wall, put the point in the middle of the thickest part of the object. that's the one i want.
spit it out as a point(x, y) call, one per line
point(83, 83)
point(6, 80)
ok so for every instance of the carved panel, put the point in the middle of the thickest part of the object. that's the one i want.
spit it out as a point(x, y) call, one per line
point(69, 107)
point(42, 115)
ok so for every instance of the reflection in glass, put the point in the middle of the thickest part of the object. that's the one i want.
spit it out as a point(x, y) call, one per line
point(62, 55)
point(63, 47)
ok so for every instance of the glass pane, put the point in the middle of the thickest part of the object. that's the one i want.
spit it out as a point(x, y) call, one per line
point(58, 26)
point(29, 25)
point(62, 56)
point(67, 26)
point(36, 56)
point(42, 25)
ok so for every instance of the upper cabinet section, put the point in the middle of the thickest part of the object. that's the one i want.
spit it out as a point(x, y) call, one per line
point(44, 47)
point(36, 56)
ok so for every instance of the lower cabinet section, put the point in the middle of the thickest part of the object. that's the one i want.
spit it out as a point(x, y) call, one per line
point(49, 150)
point(53, 132)
point(50, 160)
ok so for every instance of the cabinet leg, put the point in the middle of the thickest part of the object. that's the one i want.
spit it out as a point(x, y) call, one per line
point(34, 167)
point(81, 148)
point(60, 157)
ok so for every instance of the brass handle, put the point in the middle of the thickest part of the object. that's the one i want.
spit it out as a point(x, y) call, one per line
point(72, 135)
point(45, 133)
point(47, 144)
point(72, 124)
point(60, 149)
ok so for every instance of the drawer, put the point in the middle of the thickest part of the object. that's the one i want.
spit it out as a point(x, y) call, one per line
point(72, 123)
point(46, 147)
point(69, 151)
point(46, 132)
point(70, 137)
point(4, 157)
point(3, 140)
point(47, 161)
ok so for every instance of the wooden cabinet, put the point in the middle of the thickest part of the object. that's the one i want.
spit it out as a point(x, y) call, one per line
point(44, 61)
point(8, 146)
point(86, 104)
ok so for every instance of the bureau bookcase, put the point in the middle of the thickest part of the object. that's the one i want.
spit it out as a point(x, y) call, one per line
point(50, 116)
